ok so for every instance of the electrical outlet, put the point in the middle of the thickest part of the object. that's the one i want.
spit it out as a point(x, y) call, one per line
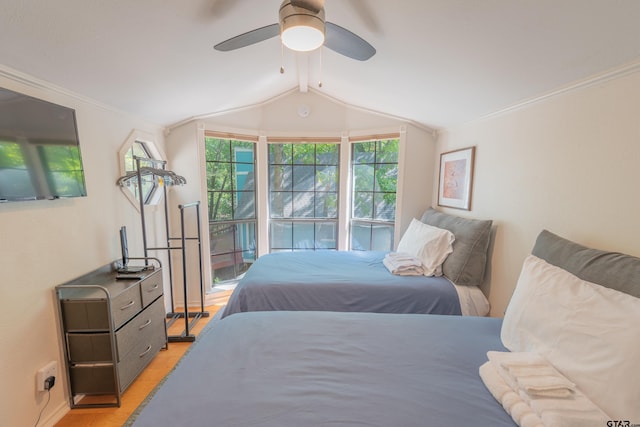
point(49, 370)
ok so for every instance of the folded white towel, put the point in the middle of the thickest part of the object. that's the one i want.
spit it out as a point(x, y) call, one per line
point(403, 264)
point(549, 385)
point(504, 361)
point(550, 396)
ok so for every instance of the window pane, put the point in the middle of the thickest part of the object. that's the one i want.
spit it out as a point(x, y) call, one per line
point(364, 152)
point(304, 154)
point(363, 205)
point(326, 233)
point(327, 154)
point(245, 205)
point(280, 178)
point(232, 249)
point(382, 238)
point(303, 236)
point(387, 151)
point(385, 206)
point(220, 206)
point(243, 173)
point(386, 178)
point(281, 235)
point(303, 204)
point(326, 205)
point(303, 178)
point(218, 150)
point(363, 177)
point(326, 178)
point(360, 237)
point(281, 205)
point(280, 154)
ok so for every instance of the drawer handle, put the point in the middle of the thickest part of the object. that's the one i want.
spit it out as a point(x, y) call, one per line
point(145, 352)
point(145, 325)
point(124, 307)
point(153, 288)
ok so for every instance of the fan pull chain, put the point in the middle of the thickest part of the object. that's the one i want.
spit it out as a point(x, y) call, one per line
point(320, 81)
point(281, 57)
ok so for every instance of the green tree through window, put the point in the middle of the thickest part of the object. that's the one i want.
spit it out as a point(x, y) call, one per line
point(374, 172)
point(303, 196)
point(230, 166)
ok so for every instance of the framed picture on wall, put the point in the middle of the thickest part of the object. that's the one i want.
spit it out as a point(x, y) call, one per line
point(456, 178)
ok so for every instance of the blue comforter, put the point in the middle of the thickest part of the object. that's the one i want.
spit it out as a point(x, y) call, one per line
point(294, 369)
point(338, 281)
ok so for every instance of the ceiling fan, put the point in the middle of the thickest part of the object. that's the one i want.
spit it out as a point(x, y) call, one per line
point(303, 28)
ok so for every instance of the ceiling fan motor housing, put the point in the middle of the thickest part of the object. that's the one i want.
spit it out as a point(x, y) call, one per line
point(301, 29)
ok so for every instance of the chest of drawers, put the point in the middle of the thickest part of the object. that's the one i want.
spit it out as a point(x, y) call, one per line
point(112, 328)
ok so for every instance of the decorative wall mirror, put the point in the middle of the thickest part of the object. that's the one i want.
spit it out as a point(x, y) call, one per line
point(141, 145)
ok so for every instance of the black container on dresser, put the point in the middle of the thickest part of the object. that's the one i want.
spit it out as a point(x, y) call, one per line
point(113, 325)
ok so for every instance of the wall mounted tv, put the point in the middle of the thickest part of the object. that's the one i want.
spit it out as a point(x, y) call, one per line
point(39, 150)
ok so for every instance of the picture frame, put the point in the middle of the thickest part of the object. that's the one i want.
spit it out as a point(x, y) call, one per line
point(456, 178)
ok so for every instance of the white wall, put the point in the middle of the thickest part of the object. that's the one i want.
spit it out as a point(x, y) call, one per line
point(569, 163)
point(45, 243)
point(327, 118)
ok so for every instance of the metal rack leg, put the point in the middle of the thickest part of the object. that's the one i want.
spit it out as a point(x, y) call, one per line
point(194, 316)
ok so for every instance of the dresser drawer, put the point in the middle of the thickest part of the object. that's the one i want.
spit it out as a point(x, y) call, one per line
point(149, 322)
point(89, 347)
point(89, 315)
point(140, 355)
point(151, 288)
point(92, 379)
point(126, 305)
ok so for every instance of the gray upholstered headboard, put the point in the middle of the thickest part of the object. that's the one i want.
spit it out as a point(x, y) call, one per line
point(611, 269)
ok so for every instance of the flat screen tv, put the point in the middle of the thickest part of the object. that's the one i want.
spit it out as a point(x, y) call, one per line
point(39, 150)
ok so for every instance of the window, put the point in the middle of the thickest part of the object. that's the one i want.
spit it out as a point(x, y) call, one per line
point(303, 196)
point(141, 145)
point(231, 203)
point(149, 186)
point(374, 177)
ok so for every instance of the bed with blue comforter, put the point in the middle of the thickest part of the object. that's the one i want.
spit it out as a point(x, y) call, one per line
point(572, 307)
point(338, 281)
point(359, 281)
point(293, 369)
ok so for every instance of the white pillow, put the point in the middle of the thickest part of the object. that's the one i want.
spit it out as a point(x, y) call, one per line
point(588, 332)
point(431, 244)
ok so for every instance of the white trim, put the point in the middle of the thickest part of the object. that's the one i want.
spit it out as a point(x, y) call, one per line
point(611, 74)
point(433, 131)
point(344, 194)
point(35, 83)
point(262, 193)
point(402, 165)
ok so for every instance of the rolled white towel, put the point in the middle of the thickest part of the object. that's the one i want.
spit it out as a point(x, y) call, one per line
point(512, 403)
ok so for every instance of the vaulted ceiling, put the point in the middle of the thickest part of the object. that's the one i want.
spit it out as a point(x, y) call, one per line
point(439, 63)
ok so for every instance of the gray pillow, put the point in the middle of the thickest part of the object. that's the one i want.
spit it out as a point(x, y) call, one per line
point(467, 263)
point(611, 269)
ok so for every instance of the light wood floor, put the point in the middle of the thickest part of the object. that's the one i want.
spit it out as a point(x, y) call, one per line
point(142, 386)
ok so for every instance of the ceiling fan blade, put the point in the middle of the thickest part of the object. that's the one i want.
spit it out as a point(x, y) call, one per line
point(345, 42)
point(249, 38)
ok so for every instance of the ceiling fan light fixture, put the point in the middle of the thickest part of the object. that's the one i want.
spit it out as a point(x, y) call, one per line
point(301, 30)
